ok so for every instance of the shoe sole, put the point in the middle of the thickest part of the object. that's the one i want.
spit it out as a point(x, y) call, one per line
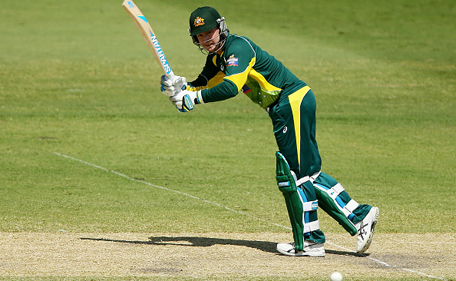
point(371, 236)
point(303, 254)
point(309, 253)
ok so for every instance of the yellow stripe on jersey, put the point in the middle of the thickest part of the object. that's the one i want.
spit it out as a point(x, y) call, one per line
point(295, 100)
point(217, 79)
point(264, 84)
point(214, 81)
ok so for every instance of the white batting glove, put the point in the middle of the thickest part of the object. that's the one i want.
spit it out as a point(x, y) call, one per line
point(185, 100)
point(171, 85)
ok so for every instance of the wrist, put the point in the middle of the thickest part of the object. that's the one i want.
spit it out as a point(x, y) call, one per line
point(197, 97)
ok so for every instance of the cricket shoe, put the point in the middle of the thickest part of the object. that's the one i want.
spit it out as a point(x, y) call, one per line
point(366, 230)
point(311, 249)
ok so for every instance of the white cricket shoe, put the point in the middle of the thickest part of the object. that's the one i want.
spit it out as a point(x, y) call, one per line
point(366, 230)
point(310, 249)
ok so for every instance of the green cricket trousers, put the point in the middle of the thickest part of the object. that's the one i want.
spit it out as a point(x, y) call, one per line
point(294, 126)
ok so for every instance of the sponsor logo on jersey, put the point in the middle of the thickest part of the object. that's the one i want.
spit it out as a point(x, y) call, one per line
point(232, 61)
point(198, 22)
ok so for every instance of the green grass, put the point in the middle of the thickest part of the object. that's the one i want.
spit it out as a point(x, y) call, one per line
point(199, 278)
point(77, 79)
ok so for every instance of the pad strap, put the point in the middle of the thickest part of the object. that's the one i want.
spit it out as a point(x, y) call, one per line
point(351, 206)
point(308, 178)
point(311, 226)
point(310, 206)
point(334, 194)
point(335, 191)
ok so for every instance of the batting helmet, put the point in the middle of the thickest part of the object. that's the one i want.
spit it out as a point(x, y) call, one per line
point(204, 19)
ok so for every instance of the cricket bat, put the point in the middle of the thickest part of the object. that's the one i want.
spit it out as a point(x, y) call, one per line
point(148, 34)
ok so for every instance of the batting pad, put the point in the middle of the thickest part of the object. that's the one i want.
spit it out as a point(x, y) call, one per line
point(300, 210)
point(335, 201)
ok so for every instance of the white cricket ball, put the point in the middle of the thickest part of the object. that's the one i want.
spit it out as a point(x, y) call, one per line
point(336, 276)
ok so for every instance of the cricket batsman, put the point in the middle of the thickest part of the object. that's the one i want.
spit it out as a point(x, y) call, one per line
point(234, 64)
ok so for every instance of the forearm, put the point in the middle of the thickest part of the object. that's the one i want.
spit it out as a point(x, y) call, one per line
point(199, 82)
point(222, 91)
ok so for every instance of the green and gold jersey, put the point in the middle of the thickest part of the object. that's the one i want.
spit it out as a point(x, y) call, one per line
point(244, 67)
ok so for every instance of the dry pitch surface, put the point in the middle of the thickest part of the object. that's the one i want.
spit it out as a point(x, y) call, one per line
point(222, 255)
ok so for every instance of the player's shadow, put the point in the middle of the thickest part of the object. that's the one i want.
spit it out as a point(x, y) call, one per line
point(189, 241)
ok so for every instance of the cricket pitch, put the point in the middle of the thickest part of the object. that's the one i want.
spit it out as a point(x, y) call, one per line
point(220, 256)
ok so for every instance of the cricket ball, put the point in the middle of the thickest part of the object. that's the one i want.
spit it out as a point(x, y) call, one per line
point(336, 276)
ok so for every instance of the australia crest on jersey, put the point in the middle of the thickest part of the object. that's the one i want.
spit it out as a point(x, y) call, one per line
point(232, 61)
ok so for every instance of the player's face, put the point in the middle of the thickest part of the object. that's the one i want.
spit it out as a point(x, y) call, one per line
point(210, 40)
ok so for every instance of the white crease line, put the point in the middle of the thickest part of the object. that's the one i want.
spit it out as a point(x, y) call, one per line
point(238, 212)
point(172, 190)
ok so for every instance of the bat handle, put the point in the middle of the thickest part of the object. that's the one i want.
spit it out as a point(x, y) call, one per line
point(171, 75)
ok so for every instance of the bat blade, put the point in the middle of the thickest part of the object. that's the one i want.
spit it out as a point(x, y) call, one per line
point(148, 34)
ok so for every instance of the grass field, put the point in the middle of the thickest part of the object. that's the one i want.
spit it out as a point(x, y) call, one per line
point(88, 144)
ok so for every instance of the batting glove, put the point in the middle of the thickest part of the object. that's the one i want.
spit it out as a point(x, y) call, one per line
point(171, 85)
point(185, 100)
